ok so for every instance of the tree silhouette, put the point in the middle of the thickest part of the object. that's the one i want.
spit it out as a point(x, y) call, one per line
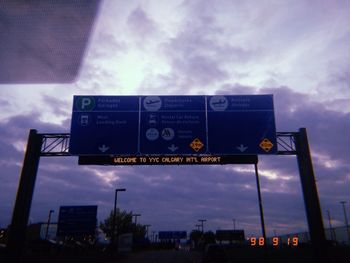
point(123, 224)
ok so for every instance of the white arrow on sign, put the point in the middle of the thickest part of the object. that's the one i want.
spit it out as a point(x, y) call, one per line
point(103, 148)
point(173, 148)
point(242, 148)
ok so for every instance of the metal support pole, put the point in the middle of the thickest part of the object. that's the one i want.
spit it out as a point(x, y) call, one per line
point(113, 223)
point(114, 227)
point(311, 200)
point(260, 202)
point(331, 230)
point(17, 234)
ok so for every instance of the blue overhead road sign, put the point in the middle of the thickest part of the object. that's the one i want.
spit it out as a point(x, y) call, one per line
point(241, 124)
point(181, 125)
point(169, 124)
point(104, 125)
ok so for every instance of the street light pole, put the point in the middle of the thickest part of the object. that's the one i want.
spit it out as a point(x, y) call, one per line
point(202, 221)
point(136, 215)
point(114, 217)
point(198, 226)
point(330, 226)
point(346, 220)
point(234, 223)
point(153, 236)
point(48, 223)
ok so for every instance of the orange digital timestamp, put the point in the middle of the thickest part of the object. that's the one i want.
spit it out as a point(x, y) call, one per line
point(276, 241)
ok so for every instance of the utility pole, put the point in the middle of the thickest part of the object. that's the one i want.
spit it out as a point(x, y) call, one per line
point(202, 221)
point(333, 238)
point(136, 215)
point(48, 224)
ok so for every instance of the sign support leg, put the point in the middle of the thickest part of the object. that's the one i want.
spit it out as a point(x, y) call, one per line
point(260, 202)
point(20, 216)
point(311, 200)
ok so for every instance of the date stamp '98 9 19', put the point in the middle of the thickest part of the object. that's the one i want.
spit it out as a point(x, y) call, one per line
point(275, 241)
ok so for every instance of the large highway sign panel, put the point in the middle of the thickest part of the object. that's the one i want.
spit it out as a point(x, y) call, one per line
point(241, 124)
point(169, 124)
point(104, 124)
point(77, 220)
point(173, 125)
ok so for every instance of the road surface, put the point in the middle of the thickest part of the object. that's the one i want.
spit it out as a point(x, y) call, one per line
point(163, 256)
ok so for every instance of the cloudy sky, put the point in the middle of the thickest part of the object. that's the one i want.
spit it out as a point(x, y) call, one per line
point(296, 50)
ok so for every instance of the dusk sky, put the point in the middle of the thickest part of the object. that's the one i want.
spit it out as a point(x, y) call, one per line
point(296, 50)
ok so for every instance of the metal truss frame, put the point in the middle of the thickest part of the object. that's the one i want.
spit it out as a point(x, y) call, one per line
point(57, 144)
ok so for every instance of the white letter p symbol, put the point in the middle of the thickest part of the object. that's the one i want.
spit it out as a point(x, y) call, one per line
point(85, 102)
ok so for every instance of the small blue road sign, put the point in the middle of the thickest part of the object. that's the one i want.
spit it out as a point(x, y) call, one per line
point(173, 125)
point(77, 220)
point(172, 235)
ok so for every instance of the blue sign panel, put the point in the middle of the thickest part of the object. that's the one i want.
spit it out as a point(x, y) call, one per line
point(241, 124)
point(168, 125)
point(77, 220)
point(172, 234)
point(104, 125)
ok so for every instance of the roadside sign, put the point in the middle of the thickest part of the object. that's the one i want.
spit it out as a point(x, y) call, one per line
point(173, 125)
point(230, 235)
point(77, 220)
point(172, 235)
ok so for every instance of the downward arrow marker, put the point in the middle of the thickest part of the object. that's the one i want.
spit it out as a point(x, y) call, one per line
point(242, 148)
point(173, 148)
point(103, 148)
